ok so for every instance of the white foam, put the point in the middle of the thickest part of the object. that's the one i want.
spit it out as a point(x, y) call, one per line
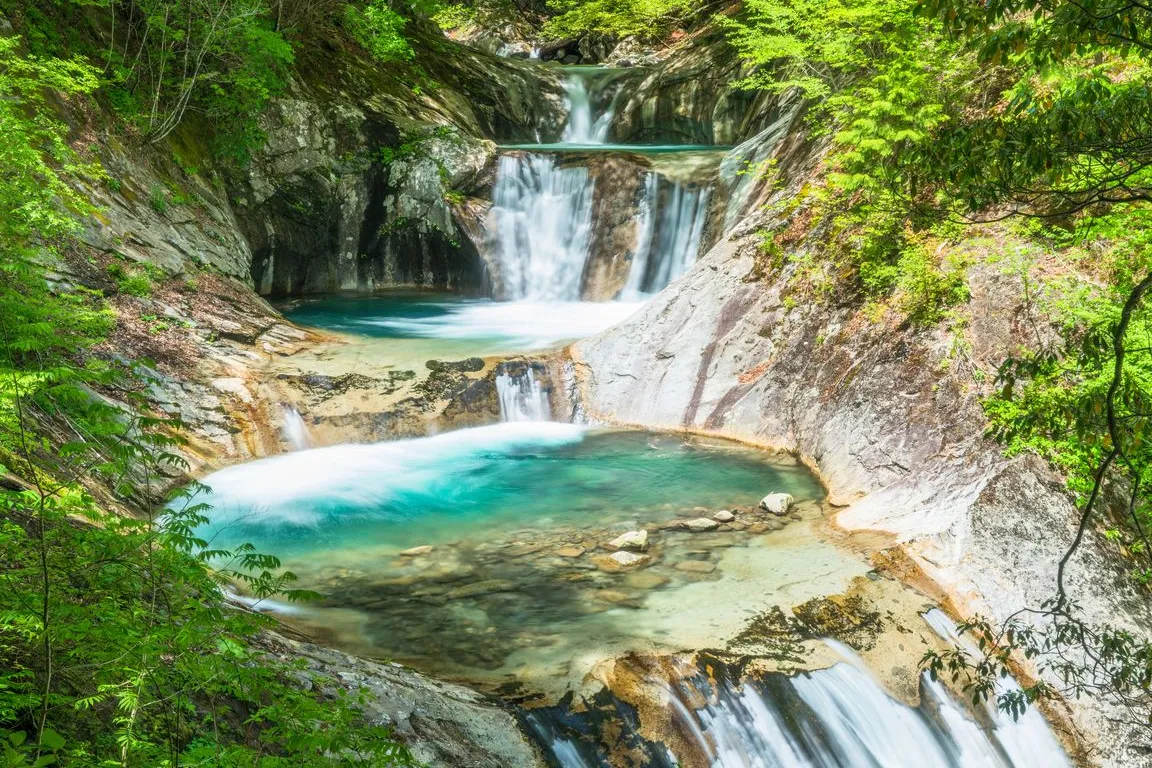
point(296, 488)
point(523, 324)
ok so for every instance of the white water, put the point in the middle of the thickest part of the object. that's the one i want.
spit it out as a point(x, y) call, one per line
point(522, 397)
point(299, 489)
point(540, 228)
point(672, 219)
point(582, 128)
point(1028, 741)
point(514, 325)
point(841, 717)
point(295, 430)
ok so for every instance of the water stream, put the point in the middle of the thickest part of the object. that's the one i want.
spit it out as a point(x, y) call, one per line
point(485, 553)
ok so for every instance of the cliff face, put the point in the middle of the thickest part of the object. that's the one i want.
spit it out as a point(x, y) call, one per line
point(888, 414)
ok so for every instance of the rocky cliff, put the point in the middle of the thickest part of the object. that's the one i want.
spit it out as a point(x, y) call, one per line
point(888, 414)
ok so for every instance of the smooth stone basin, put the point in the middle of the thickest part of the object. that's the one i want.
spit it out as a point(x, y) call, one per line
point(509, 575)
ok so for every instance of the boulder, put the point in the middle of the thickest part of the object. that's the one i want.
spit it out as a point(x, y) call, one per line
point(777, 503)
point(634, 540)
point(621, 561)
point(699, 524)
point(724, 516)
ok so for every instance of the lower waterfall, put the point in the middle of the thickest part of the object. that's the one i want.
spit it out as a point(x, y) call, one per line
point(522, 395)
point(829, 718)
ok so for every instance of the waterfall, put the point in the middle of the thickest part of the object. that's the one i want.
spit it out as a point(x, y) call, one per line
point(295, 430)
point(1028, 741)
point(540, 227)
point(582, 128)
point(840, 716)
point(671, 223)
point(522, 397)
point(829, 718)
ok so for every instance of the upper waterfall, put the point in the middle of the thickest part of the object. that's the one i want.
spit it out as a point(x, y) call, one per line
point(582, 127)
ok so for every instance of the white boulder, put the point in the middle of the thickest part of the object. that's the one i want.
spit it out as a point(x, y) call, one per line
point(777, 503)
point(634, 540)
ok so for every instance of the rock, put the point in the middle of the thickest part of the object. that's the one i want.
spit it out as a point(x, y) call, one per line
point(724, 516)
point(478, 588)
point(777, 503)
point(695, 566)
point(757, 528)
point(696, 525)
point(442, 723)
point(645, 580)
point(634, 540)
point(620, 561)
point(570, 551)
point(417, 551)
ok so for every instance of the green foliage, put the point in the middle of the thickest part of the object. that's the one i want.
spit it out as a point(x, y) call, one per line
point(620, 18)
point(221, 59)
point(117, 646)
point(379, 29)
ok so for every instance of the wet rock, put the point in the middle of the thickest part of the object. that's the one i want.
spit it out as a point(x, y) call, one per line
point(476, 589)
point(633, 540)
point(758, 528)
point(417, 551)
point(777, 503)
point(695, 566)
point(696, 525)
point(724, 516)
point(470, 365)
point(620, 561)
point(570, 551)
point(645, 580)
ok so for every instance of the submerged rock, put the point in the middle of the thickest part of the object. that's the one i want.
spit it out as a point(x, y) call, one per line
point(777, 503)
point(695, 566)
point(634, 540)
point(619, 561)
point(570, 551)
point(417, 551)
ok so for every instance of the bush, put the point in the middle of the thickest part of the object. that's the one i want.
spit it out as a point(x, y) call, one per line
point(379, 29)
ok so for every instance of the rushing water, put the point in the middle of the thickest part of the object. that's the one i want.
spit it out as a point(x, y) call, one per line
point(522, 395)
point(838, 717)
point(295, 430)
point(459, 326)
point(541, 225)
point(672, 219)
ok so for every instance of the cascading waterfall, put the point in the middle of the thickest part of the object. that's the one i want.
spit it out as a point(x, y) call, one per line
point(295, 430)
point(1028, 741)
point(540, 225)
point(841, 717)
point(672, 219)
point(522, 396)
point(830, 718)
point(582, 128)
